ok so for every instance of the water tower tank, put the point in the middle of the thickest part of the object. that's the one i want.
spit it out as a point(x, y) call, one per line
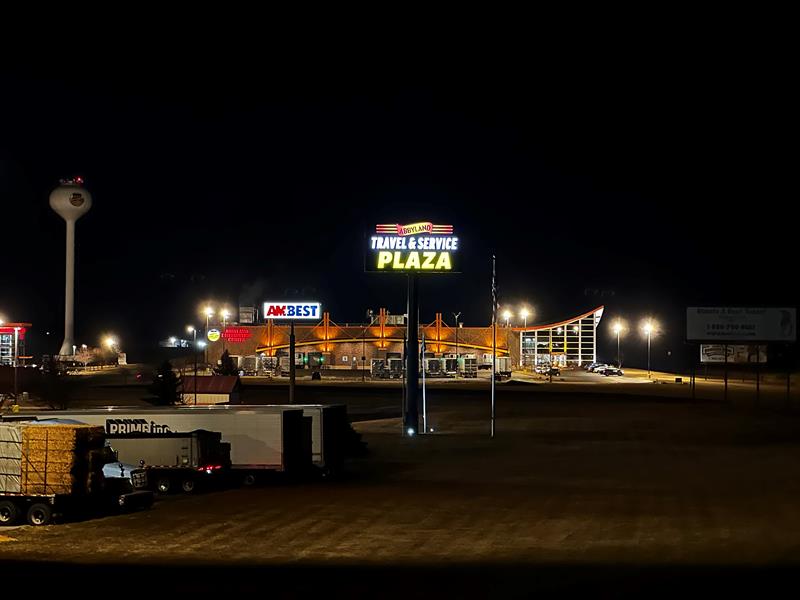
point(71, 200)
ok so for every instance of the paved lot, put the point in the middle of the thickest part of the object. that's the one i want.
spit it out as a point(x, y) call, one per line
point(571, 490)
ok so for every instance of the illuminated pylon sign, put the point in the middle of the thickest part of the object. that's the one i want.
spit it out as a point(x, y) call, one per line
point(416, 247)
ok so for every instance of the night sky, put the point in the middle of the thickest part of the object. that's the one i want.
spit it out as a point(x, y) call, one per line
point(644, 185)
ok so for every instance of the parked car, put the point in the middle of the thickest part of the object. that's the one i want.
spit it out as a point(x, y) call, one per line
point(553, 371)
point(613, 371)
point(593, 368)
point(600, 368)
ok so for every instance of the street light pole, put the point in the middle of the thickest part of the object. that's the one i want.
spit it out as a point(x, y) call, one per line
point(191, 329)
point(455, 316)
point(619, 364)
point(648, 352)
point(208, 312)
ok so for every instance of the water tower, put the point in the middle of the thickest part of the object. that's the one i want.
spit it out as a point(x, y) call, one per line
point(71, 201)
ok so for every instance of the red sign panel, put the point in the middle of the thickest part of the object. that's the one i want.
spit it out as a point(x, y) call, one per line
point(11, 331)
point(236, 335)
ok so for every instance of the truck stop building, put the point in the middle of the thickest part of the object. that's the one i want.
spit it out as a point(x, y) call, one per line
point(12, 343)
point(327, 344)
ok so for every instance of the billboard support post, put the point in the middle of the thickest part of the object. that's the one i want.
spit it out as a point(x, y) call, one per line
point(758, 375)
point(788, 382)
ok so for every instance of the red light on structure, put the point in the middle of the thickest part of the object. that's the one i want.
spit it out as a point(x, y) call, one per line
point(79, 179)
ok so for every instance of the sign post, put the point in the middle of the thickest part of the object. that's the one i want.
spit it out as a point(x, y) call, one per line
point(292, 365)
point(292, 311)
point(411, 421)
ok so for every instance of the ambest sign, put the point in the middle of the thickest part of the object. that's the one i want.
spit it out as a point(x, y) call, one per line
point(416, 247)
point(292, 310)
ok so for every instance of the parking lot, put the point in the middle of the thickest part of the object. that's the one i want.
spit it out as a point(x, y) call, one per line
point(594, 487)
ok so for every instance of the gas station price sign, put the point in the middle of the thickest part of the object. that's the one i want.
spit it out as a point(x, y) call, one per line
point(413, 248)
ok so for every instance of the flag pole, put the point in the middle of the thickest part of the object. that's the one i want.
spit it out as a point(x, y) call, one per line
point(494, 338)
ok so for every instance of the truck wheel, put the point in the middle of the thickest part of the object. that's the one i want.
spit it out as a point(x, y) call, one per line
point(40, 514)
point(187, 485)
point(249, 479)
point(163, 485)
point(9, 513)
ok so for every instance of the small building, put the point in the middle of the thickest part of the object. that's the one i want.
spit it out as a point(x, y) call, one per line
point(214, 389)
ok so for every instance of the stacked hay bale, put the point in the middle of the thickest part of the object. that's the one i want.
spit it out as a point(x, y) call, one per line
point(54, 458)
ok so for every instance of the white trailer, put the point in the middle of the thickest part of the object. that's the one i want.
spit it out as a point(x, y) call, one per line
point(261, 440)
point(258, 434)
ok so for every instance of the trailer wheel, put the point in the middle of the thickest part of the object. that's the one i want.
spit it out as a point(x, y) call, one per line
point(163, 485)
point(187, 485)
point(9, 513)
point(40, 514)
point(249, 479)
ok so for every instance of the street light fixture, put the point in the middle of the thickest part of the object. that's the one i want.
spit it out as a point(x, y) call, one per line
point(507, 316)
point(524, 314)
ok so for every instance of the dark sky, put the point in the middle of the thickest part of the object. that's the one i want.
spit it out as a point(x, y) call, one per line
point(645, 184)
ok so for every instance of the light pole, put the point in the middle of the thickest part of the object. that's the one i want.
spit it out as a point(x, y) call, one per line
point(648, 329)
point(618, 330)
point(364, 347)
point(524, 314)
point(208, 311)
point(455, 316)
point(507, 316)
point(225, 314)
point(193, 331)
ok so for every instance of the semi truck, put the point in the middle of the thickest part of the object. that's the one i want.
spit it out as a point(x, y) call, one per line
point(468, 366)
point(50, 469)
point(396, 368)
point(272, 438)
point(451, 366)
point(175, 461)
point(378, 369)
point(250, 365)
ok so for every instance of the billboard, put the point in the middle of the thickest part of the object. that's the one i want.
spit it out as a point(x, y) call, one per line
point(293, 310)
point(413, 248)
point(741, 324)
point(737, 353)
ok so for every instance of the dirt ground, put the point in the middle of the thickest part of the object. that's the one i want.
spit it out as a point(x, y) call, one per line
point(617, 495)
